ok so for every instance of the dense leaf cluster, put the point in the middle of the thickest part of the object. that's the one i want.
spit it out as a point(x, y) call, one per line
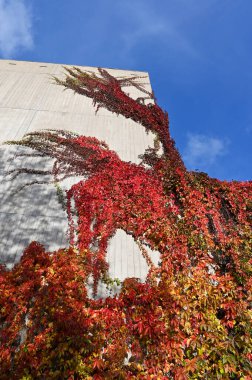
point(192, 317)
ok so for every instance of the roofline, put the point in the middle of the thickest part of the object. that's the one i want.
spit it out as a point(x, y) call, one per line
point(70, 65)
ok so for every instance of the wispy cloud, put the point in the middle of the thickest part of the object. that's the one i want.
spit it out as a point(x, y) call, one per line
point(15, 27)
point(202, 151)
point(147, 21)
point(248, 129)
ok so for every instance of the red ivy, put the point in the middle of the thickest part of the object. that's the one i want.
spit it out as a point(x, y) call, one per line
point(191, 319)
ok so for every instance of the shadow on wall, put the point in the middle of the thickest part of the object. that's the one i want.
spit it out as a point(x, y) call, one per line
point(33, 213)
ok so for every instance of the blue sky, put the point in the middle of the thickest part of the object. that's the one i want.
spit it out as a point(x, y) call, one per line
point(198, 54)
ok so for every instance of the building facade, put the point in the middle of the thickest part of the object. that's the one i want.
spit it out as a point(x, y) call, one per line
point(31, 101)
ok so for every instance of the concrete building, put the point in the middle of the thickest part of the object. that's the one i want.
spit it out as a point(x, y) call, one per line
point(29, 101)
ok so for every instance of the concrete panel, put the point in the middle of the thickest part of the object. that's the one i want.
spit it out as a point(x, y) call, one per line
point(29, 85)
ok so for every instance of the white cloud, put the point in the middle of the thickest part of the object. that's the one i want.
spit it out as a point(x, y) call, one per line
point(15, 27)
point(203, 151)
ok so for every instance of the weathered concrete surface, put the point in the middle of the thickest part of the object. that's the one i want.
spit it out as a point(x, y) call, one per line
point(29, 101)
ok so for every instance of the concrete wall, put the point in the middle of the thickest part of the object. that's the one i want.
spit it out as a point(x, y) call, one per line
point(29, 101)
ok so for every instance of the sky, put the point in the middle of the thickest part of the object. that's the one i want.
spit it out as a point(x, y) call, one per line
point(198, 54)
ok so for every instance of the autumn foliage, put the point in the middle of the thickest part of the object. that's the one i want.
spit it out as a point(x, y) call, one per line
point(191, 319)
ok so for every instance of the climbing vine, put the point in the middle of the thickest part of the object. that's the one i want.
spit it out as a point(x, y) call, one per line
point(190, 319)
